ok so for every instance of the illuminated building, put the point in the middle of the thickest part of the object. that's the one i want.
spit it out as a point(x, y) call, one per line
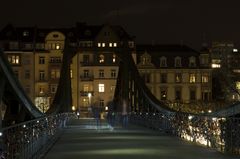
point(176, 74)
point(36, 56)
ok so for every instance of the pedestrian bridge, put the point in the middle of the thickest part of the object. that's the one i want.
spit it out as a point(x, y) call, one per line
point(82, 138)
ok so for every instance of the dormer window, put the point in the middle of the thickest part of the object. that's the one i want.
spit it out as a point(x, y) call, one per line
point(178, 62)
point(145, 59)
point(192, 62)
point(163, 62)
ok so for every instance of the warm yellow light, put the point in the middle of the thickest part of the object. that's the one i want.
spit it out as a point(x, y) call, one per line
point(73, 108)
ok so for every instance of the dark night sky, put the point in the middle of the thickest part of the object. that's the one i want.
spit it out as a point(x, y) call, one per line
point(158, 21)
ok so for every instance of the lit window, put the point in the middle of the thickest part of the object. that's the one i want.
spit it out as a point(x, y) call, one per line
point(110, 44)
point(101, 59)
point(205, 78)
point(114, 58)
point(235, 50)
point(71, 73)
point(103, 44)
point(57, 46)
point(55, 73)
point(100, 87)
point(26, 33)
point(192, 78)
point(114, 44)
point(238, 85)
point(99, 44)
point(14, 59)
point(214, 65)
point(163, 95)
point(178, 77)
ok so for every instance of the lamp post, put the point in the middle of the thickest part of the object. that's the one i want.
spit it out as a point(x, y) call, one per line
point(89, 105)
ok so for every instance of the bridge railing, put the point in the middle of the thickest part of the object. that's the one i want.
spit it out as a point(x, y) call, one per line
point(223, 134)
point(33, 138)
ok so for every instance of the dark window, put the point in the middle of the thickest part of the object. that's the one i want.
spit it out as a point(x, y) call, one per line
point(41, 75)
point(163, 78)
point(41, 60)
point(192, 95)
point(178, 95)
point(86, 59)
point(27, 74)
point(113, 73)
point(85, 73)
point(101, 73)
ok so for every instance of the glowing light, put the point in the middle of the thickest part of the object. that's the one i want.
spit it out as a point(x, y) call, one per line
point(73, 108)
point(235, 50)
point(106, 108)
point(209, 111)
point(1, 134)
point(24, 126)
point(190, 117)
point(216, 65)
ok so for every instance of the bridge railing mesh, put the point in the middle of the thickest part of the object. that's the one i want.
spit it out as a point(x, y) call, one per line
point(33, 138)
point(222, 134)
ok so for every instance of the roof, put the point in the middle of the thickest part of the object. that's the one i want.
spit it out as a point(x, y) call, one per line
point(170, 51)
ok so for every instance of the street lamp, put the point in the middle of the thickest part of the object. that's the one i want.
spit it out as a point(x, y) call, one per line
point(89, 102)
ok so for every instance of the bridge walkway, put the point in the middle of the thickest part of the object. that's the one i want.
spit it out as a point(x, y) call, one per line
point(82, 140)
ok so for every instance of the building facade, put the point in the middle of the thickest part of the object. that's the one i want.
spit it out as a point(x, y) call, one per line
point(36, 56)
point(176, 74)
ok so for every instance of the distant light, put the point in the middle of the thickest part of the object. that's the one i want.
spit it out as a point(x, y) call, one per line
point(210, 111)
point(73, 108)
point(235, 50)
point(106, 108)
point(1, 134)
point(89, 95)
point(190, 117)
point(214, 65)
point(24, 126)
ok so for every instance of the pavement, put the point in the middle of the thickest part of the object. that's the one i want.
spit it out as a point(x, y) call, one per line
point(84, 140)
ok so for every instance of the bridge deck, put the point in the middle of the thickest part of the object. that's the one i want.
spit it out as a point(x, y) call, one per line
point(82, 140)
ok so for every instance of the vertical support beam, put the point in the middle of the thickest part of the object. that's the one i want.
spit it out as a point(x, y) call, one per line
point(125, 80)
point(2, 86)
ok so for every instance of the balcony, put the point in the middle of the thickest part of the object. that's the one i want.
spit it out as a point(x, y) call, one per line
point(87, 78)
point(86, 93)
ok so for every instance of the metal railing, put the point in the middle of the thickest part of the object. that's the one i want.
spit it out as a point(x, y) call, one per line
point(33, 138)
point(223, 134)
